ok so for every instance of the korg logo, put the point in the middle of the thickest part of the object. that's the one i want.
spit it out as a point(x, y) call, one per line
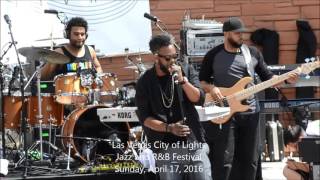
point(123, 115)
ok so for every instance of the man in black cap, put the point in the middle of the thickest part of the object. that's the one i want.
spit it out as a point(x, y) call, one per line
point(234, 144)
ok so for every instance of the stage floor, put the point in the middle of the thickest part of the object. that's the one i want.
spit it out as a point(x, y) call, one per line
point(273, 170)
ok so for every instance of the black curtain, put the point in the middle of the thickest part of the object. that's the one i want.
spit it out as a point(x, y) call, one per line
point(307, 46)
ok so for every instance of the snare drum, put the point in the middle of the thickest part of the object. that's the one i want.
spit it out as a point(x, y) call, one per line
point(68, 89)
point(50, 110)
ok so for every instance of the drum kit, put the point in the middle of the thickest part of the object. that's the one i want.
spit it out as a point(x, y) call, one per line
point(82, 134)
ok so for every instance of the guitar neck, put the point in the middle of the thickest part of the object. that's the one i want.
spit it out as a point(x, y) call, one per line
point(246, 93)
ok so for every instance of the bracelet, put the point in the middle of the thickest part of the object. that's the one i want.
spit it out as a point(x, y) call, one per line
point(167, 126)
point(185, 80)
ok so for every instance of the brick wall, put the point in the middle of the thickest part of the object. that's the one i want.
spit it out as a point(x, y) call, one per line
point(278, 15)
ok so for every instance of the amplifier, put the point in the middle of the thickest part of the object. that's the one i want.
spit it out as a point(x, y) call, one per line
point(309, 148)
point(201, 24)
point(199, 42)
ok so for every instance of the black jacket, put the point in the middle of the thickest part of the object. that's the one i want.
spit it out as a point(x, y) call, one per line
point(148, 100)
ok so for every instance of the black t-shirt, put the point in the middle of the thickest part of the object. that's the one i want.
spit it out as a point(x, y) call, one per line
point(224, 69)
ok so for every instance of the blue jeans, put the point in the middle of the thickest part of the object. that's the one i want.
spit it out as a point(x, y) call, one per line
point(185, 169)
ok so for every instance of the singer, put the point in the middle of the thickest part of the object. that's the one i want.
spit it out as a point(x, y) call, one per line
point(80, 55)
point(170, 119)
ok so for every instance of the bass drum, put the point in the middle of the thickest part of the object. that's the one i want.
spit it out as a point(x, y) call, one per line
point(85, 127)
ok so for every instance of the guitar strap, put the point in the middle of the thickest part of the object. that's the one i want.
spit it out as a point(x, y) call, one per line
point(247, 56)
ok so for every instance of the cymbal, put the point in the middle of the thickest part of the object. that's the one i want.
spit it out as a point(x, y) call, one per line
point(127, 54)
point(36, 53)
point(137, 66)
point(49, 39)
point(132, 67)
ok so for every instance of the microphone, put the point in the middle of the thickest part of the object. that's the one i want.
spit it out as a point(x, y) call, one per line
point(6, 17)
point(150, 17)
point(175, 76)
point(51, 11)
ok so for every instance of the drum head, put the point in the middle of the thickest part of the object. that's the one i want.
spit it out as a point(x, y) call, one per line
point(85, 123)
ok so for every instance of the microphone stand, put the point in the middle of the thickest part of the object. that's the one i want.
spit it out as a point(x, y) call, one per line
point(164, 31)
point(24, 114)
point(2, 103)
point(180, 99)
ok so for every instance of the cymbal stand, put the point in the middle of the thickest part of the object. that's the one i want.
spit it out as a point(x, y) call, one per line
point(39, 116)
point(34, 146)
point(50, 120)
point(2, 114)
point(69, 155)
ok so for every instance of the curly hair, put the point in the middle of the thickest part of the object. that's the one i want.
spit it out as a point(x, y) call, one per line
point(76, 21)
point(160, 41)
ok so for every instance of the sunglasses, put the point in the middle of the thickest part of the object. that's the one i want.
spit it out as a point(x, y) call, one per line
point(168, 57)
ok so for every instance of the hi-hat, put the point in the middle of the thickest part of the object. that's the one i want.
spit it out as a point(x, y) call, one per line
point(36, 53)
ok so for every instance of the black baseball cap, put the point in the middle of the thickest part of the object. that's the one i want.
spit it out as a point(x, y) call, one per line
point(234, 24)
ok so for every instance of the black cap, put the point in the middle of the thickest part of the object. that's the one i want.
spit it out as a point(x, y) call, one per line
point(234, 24)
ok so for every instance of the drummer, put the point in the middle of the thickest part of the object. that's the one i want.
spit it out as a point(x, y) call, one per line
point(81, 56)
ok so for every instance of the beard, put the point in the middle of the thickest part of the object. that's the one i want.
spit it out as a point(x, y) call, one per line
point(76, 45)
point(235, 44)
point(163, 68)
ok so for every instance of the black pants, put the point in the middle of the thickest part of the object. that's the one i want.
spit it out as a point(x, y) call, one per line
point(234, 147)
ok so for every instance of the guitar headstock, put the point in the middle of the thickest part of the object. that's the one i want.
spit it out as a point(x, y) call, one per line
point(312, 64)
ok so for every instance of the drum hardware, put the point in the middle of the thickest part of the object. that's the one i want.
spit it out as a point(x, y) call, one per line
point(43, 55)
point(33, 147)
point(69, 155)
point(90, 142)
point(138, 66)
point(94, 96)
point(12, 140)
point(50, 129)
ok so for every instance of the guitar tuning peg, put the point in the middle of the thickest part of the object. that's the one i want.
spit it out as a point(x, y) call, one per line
point(313, 59)
point(307, 76)
point(307, 60)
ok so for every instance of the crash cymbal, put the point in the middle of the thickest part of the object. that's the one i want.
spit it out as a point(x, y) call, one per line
point(36, 53)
